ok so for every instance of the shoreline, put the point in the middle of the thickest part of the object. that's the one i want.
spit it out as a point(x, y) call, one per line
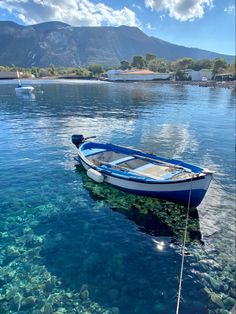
point(212, 84)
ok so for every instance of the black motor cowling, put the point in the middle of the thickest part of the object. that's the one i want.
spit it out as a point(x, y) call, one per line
point(77, 139)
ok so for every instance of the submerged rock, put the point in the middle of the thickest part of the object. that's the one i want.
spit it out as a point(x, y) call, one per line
point(216, 298)
point(229, 302)
point(48, 284)
point(17, 300)
point(215, 284)
point(84, 293)
point(61, 310)
point(54, 298)
point(47, 309)
point(12, 251)
point(28, 302)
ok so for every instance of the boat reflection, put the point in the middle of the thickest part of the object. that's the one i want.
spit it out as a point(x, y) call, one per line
point(26, 96)
point(153, 216)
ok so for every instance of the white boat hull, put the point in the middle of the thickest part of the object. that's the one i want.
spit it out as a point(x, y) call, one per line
point(24, 89)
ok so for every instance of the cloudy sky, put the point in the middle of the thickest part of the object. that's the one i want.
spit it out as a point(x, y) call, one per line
point(206, 24)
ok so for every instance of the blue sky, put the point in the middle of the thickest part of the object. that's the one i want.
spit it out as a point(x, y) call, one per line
point(205, 24)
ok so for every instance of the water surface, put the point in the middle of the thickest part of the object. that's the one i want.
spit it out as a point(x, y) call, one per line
point(57, 239)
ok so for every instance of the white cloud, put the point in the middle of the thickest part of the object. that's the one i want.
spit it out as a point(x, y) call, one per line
point(182, 10)
point(73, 12)
point(230, 9)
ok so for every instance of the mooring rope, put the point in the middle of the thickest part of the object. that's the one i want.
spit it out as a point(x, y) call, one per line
point(183, 250)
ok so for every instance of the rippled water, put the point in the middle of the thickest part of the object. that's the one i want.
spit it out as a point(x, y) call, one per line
point(64, 249)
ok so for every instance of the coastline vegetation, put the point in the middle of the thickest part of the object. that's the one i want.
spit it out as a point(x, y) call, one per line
point(150, 62)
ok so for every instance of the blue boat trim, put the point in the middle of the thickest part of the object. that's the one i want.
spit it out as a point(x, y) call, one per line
point(178, 197)
point(130, 151)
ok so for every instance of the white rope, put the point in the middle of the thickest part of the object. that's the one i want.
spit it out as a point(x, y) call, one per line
point(183, 250)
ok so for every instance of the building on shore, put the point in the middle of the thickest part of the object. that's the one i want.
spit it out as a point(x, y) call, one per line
point(136, 75)
point(6, 75)
point(225, 77)
point(201, 75)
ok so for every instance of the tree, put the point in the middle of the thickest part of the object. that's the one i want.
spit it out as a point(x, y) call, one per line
point(219, 65)
point(163, 66)
point(51, 69)
point(180, 75)
point(13, 67)
point(158, 65)
point(138, 62)
point(82, 72)
point(153, 65)
point(183, 63)
point(124, 65)
point(232, 68)
point(95, 69)
point(149, 57)
point(202, 64)
point(35, 71)
point(2, 68)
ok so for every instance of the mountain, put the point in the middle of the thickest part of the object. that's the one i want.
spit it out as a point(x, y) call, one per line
point(63, 45)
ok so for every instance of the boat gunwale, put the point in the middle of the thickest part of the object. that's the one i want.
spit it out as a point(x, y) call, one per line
point(137, 177)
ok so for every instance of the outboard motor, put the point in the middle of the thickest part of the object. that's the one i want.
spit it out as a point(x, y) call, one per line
point(77, 139)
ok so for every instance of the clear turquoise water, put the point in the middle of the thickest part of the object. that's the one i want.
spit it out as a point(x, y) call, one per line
point(56, 237)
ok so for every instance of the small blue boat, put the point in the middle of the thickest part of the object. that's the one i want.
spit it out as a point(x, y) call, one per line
point(143, 174)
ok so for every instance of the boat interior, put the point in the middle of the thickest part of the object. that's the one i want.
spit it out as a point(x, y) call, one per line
point(137, 165)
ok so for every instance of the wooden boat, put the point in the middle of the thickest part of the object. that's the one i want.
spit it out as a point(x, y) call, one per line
point(143, 174)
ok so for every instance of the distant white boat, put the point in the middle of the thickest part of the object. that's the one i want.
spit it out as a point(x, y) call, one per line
point(136, 75)
point(24, 89)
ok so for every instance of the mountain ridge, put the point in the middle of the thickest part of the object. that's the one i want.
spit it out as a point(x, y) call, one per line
point(63, 45)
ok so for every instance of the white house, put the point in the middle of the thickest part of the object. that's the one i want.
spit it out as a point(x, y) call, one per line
point(136, 75)
point(201, 75)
